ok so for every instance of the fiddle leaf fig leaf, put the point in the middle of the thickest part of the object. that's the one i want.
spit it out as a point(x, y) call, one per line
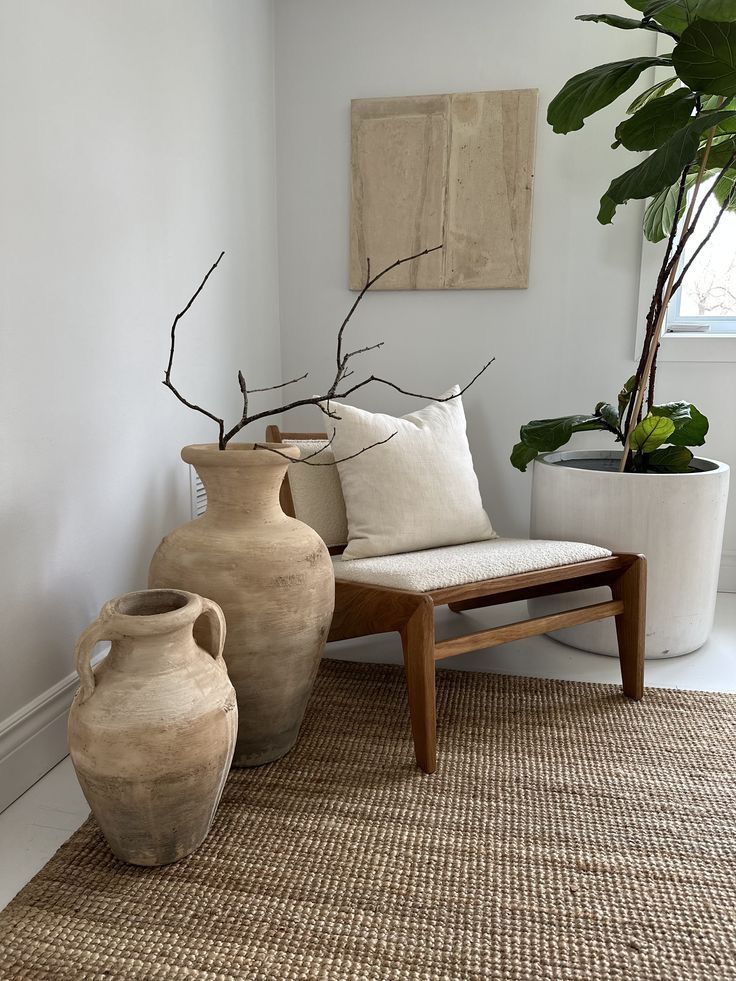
point(651, 432)
point(676, 15)
point(722, 152)
point(705, 57)
point(522, 455)
point(725, 190)
point(719, 10)
point(549, 434)
point(670, 459)
point(624, 396)
point(594, 89)
point(653, 92)
point(661, 168)
point(668, 13)
point(659, 215)
point(716, 102)
point(546, 435)
point(609, 415)
point(655, 122)
point(622, 23)
point(691, 426)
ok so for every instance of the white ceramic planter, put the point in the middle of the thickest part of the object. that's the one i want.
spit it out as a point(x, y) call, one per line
point(676, 520)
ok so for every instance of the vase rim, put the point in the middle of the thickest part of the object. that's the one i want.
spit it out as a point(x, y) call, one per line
point(149, 611)
point(701, 466)
point(210, 454)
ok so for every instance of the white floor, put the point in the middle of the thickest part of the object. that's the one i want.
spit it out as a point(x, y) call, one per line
point(42, 819)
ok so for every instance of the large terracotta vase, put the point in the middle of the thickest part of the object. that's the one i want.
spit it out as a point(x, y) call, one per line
point(271, 574)
point(152, 728)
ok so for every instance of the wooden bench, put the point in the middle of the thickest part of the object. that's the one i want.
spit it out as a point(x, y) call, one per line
point(366, 608)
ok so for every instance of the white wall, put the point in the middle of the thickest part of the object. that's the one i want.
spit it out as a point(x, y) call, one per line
point(563, 344)
point(137, 142)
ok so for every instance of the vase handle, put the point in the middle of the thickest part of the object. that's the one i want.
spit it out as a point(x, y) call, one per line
point(218, 628)
point(98, 631)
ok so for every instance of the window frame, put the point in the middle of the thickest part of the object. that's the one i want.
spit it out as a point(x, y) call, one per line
point(726, 325)
point(699, 346)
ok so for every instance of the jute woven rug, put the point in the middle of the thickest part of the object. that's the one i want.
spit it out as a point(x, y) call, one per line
point(569, 834)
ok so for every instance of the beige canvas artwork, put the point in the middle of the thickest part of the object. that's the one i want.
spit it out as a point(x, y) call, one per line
point(453, 169)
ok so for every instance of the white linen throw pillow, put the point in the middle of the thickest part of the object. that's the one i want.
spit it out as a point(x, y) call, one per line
point(418, 490)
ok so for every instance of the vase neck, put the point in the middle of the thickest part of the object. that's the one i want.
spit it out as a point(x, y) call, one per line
point(152, 654)
point(244, 493)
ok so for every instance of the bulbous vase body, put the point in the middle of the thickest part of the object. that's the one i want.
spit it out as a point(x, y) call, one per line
point(152, 728)
point(271, 574)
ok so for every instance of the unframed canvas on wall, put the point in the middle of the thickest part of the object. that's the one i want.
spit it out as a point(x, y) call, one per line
point(457, 169)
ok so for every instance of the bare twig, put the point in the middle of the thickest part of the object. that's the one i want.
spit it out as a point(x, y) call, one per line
point(416, 395)
point(369, 282)
point(306, 459)
point(167, 376)
point(244, 390)
point(322, 402)
point(326, 446)
point(272, 388)
point(360, 350)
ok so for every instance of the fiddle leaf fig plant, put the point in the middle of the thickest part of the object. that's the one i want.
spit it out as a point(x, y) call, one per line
point(686, 123)
point(659, 443)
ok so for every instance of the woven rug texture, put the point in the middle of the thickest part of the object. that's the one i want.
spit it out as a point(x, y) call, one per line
point(568, 834)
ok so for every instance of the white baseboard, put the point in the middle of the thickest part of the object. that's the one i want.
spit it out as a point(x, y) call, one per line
point(33, 739)
point(727, 578)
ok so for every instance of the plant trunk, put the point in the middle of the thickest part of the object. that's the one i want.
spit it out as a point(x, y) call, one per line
point(646, 371)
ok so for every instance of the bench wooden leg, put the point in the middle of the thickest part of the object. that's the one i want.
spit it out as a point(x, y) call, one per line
point(417, 639)
point(631, 589)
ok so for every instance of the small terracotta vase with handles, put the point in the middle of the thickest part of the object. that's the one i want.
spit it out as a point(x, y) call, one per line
point(152, 728)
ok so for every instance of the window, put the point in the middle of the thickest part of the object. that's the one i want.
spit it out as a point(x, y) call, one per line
point(706, 301)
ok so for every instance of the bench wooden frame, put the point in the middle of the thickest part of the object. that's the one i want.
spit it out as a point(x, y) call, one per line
point(364, 609)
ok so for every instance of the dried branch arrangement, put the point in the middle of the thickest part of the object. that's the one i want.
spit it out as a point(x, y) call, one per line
point(338, 389)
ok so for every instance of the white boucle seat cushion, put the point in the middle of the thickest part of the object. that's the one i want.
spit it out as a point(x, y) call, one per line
point(454, 565)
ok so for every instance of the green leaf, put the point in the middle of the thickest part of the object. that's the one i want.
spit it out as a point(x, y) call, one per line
point(624, 396)
point(657, 121)
point(720, 154)
point(678, 14)
point(651, 432)
point(622, 23)
point(725, 190)
point(669, 459)
point(691, 426)
point(546, 435)
point(705, 57)
point(659, 215)
point(669, 13)
point(609, 415)
point(594, 89)
point(716, 102)
point(653, 92)
point(661, 169)
point(522, 455)
point(719, 10)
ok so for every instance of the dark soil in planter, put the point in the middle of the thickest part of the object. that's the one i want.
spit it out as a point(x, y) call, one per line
point(611, 464)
